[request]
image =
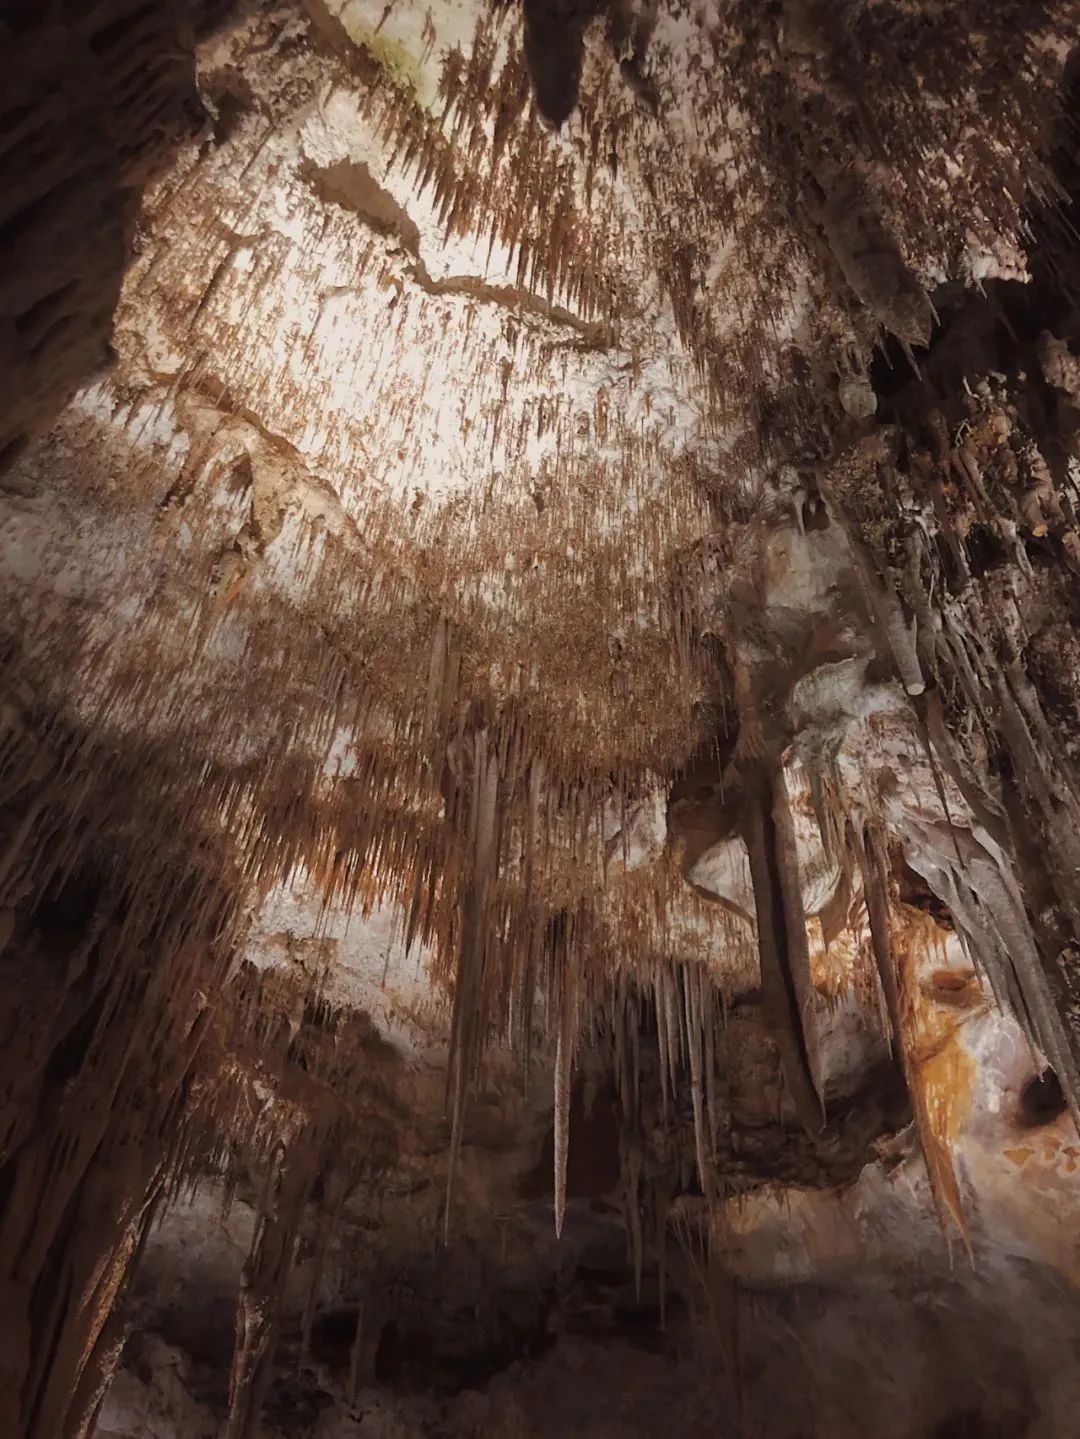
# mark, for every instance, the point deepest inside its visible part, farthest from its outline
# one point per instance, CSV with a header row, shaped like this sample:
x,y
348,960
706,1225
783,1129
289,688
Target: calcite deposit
x,y
539,719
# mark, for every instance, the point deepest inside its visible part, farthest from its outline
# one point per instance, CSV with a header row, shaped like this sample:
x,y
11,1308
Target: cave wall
x,y
96,95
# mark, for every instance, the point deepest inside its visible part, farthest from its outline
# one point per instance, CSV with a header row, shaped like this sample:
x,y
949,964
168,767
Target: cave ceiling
x,y
539,716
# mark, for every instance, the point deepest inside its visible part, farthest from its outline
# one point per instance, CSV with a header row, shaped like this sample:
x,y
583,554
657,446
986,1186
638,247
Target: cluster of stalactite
x,y
964,510
498,745
499,755
328,1125
666,1042
838,189
134,1067
112,953
824,174
967,645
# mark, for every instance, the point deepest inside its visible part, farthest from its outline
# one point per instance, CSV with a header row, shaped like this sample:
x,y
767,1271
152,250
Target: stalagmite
x,y
779,994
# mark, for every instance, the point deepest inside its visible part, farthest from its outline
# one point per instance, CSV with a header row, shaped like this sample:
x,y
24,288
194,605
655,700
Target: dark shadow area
x,y
1041,1100
94,96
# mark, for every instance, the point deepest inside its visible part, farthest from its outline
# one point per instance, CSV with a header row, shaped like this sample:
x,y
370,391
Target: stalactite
x,y
868,851
694,1043
942,745
632,1171
102,1359
567,1022
939,1082
660,1209
662,1045
355,1352
402,621
262,1285
712,1098
468,993
900,633
997,891
794,917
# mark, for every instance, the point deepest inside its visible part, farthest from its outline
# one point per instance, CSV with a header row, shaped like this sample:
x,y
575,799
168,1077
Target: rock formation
x,y
539,719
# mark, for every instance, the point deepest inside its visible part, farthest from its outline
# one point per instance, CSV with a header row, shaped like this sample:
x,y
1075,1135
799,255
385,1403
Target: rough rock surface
x,y
539,719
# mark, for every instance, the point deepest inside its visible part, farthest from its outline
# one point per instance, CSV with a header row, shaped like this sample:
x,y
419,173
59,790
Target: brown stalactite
x,y
695,1043
101,1362
786,864
870,260
469,994
872,866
